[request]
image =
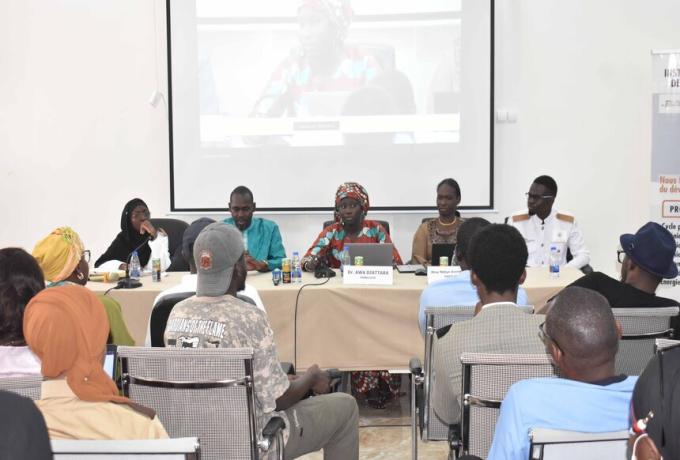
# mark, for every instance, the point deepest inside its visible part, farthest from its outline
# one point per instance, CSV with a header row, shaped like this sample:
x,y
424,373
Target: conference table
x,y
323,321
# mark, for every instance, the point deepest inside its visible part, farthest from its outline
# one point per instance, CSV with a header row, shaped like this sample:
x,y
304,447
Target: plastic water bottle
x,y
135,269
296,269
554,261
245,242
345,262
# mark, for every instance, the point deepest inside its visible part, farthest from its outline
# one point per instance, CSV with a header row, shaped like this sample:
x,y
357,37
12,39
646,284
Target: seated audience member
x,y
328,421
136,231
647,258
582,337
351,226
188,283
261,237
23,434
656,402
497,258
20,279
542,226
66,326
458,290
64,260
443,229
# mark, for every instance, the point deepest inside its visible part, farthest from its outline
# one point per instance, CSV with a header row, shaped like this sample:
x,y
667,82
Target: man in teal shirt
x,y
261,237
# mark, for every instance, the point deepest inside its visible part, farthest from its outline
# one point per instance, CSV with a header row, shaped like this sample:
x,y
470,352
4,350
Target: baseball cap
x,y
216,250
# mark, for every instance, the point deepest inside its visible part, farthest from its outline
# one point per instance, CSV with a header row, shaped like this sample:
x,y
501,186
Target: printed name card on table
x,y
366,274
441,273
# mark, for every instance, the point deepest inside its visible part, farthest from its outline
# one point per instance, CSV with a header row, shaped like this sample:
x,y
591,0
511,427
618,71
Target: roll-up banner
x,y
665,180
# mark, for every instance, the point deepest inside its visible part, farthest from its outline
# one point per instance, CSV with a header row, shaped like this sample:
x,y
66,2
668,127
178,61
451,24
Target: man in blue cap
x,y
646,258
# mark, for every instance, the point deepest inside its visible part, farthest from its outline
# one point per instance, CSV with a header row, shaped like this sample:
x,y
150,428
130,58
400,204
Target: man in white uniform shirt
x,y
542,226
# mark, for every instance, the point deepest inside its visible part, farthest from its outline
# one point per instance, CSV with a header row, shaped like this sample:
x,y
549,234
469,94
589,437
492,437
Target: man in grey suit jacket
x,y
497,258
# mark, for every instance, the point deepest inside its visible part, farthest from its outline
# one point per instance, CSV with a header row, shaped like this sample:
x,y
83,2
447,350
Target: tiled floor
x,y
386,434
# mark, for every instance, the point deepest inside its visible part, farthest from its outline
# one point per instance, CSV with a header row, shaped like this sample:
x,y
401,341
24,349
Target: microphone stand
x,y
127,282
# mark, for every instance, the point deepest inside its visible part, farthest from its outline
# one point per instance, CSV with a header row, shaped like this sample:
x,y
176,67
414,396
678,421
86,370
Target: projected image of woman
x,y
322,63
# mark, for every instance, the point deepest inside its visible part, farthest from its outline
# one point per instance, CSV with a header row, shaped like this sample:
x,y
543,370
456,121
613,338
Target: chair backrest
x,y
151,449
641,326
384,223
161,313
566,445
203,393
487,377
28,386
175,230
436,318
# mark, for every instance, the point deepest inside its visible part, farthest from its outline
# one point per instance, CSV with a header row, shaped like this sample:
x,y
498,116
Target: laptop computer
x,y
441,250
110,359
374,254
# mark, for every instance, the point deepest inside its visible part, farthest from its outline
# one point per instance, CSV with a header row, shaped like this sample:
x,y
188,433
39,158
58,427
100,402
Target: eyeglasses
x,y
620,252
534,196
86,255
545,338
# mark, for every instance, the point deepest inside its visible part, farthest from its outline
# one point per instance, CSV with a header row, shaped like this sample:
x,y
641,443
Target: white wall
x,y
78,138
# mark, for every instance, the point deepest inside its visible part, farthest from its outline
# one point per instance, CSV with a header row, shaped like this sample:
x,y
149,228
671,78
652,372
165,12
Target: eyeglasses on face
x,y
620,255
535,196
141,214
545,337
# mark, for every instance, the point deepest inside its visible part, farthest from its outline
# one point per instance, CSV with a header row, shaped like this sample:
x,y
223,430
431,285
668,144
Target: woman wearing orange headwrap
x,y
67,327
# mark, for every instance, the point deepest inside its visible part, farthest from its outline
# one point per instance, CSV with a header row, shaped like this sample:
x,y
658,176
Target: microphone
x,y
127,282
322,269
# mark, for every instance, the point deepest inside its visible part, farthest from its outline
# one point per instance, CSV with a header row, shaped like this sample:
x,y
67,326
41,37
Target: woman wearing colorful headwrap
x,y
135,230
351,206
20,279
64,260
351,226
66,327
322,62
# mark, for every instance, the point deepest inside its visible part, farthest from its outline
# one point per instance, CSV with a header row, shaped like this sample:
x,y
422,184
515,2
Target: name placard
x,y
366,274
441,273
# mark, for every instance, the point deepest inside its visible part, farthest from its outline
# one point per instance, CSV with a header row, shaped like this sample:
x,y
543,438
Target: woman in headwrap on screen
x,y
351,226
136,232
322,63
66,327
64,260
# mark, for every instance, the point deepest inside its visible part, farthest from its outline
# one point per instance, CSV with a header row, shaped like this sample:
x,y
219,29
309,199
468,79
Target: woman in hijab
x,y
64,260
66,327
351,226
20,279
322,62
136,232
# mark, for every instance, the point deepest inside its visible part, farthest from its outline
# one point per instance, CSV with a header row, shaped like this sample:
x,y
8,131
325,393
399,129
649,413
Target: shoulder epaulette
x,y
565,217
520,217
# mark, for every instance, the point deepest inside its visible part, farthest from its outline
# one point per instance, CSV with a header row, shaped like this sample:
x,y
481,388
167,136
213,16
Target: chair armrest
x,y
288,368
415,366
272,428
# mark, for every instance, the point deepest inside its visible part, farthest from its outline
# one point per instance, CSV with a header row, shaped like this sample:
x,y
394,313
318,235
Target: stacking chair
x,y
423,417
641,326
146,449
160,314
28,386
175,230
549,444
203,393
487,377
